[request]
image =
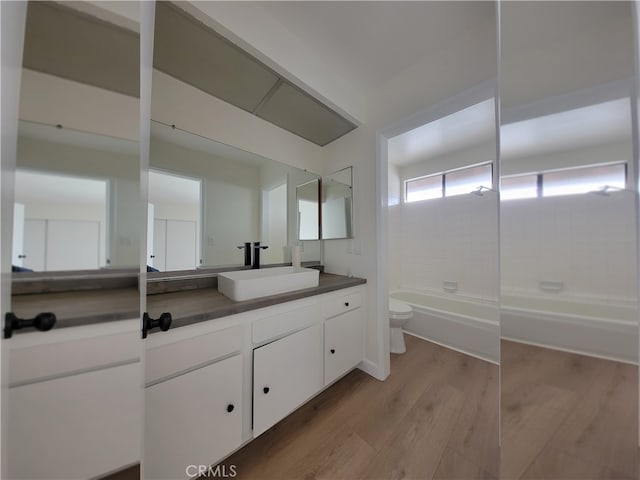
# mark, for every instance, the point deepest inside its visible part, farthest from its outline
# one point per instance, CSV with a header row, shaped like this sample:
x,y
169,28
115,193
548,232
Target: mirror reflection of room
x,y
308,197
72,188
236,196
337,204
70,349
569,308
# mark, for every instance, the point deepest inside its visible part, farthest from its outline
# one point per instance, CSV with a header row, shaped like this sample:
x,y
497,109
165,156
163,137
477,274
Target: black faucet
x,y
247,253
256,253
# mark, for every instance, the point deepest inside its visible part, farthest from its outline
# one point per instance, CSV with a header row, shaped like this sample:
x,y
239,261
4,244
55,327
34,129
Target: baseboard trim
x,y
372,369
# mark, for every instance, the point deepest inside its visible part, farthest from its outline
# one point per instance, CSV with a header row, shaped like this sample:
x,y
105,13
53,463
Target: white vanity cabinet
x,y
75,401
193,419
343,333
286,373
193,399
213,386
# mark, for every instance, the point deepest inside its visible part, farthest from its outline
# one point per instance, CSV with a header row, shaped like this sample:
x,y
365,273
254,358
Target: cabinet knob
x,y
43,322
265,390
230,407
346,304
333,350
148,323
22,256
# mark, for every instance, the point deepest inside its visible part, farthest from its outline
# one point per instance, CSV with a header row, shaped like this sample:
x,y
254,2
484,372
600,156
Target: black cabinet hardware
x,y
148,323
43,322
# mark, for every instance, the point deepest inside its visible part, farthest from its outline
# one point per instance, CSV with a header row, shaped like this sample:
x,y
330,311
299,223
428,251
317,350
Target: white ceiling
x,y
582,127
165,188
554,48
57,189
460,130
368,43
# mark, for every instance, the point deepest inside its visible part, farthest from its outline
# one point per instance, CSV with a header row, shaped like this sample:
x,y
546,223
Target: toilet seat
x,y
399,310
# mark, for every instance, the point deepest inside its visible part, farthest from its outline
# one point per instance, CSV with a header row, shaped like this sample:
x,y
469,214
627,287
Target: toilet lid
x,y
396,306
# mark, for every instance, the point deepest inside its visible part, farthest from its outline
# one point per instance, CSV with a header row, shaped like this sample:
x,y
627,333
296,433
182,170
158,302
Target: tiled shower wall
x,y
587,242
446,239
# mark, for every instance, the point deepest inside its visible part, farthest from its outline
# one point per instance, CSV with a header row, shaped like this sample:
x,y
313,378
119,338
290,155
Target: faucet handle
x,y
257,245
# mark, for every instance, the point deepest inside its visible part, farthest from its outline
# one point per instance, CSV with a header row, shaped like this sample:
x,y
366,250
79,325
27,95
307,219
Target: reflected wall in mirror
x,y
308,199
174,228
71,385
569,307
245,198
337,205
79,120
76,197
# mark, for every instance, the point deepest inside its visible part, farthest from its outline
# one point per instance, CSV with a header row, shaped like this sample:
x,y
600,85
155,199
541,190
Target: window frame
x,y
443,174
540,177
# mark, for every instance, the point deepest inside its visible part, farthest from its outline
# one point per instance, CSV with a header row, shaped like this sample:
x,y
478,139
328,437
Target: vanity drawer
x,y
337,304
285,322
39,356
182,355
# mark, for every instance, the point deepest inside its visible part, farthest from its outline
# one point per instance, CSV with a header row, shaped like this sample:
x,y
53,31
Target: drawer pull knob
x,y
148,323
230,407
43,322
333,350
346,304
265,390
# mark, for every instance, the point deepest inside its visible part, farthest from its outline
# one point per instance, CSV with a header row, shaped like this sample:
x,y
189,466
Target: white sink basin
x,y
248,284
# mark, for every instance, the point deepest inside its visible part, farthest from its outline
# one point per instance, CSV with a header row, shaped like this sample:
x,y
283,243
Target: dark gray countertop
x,y
194,306
187,307
80,307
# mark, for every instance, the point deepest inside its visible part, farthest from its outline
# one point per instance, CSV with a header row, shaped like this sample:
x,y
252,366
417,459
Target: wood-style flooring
x,y
435,417
566,416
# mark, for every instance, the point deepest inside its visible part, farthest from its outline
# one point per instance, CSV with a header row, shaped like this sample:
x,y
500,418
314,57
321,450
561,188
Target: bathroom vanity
x,y
74,391
228,371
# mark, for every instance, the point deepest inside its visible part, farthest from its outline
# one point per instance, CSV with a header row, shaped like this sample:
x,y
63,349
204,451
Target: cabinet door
x,y
343,344
76,427
193,419
286,373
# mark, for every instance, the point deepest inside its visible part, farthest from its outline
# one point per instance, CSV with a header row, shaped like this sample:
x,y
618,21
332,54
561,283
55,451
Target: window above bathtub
x,y
449,183
568,181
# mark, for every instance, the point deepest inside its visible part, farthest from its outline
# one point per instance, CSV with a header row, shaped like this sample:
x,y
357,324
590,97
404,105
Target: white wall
x,y
609,152
176,103
449,239
52,100
585,241
231,198
120,168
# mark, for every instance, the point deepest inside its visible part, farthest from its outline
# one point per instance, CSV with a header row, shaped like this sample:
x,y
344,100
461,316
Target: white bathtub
x,y
469,326
607,330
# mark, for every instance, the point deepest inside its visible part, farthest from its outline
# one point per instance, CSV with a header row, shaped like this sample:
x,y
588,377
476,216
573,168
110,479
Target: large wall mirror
x,y
76,196
337,204
206,199
77,181
569,316
71,379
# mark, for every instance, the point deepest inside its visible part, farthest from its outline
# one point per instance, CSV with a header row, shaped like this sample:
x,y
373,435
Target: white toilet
x,y
399,313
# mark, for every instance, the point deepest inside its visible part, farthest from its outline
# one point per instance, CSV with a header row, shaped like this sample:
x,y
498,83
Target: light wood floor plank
x,y
566,416
422,419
